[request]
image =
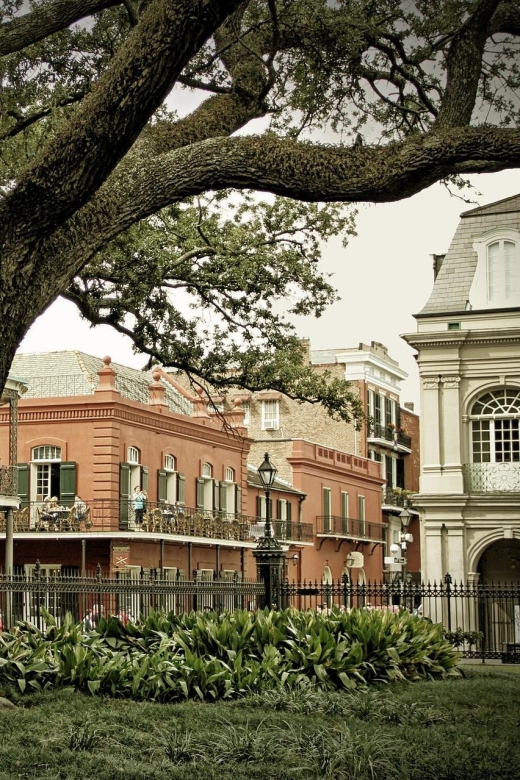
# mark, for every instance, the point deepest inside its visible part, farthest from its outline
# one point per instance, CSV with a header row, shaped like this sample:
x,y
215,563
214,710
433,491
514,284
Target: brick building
x,y
356,482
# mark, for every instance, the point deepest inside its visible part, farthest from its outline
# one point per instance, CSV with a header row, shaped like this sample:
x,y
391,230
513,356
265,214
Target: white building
x,y
468,343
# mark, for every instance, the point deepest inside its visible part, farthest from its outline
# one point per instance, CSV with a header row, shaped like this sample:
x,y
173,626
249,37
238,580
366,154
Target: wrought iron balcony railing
x,y
347,527
398,497
107,516
390,434
8,481
491,477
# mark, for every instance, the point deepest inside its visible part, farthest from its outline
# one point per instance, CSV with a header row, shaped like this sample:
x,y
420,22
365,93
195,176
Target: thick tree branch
x,y
45,20
83,153
464,67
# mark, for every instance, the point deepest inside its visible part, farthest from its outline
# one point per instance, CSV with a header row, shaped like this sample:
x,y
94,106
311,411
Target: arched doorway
x,y
499,596
500,562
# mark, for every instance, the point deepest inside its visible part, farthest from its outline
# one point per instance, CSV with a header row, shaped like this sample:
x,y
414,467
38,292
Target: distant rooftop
x,y
456,270
72,373
329,356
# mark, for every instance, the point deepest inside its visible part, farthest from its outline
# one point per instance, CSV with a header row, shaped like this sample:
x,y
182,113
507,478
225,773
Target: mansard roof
x,y
450,293
72,373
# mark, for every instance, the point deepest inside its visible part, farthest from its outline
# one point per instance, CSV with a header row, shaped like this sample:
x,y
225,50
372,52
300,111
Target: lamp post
x,y
269,554
267,473
405,538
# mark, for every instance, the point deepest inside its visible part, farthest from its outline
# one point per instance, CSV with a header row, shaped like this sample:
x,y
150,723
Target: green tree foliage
x,y
149,216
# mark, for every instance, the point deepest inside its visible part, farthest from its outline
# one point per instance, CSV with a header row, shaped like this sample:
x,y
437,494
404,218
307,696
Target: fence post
x,y
270,559
345,580
447,581
99,576
37,578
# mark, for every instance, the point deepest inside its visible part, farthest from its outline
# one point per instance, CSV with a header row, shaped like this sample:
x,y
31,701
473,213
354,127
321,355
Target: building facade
x,y
468,345
356,482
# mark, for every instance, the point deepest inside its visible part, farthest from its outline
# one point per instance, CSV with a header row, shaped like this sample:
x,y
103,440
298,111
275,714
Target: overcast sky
x,y
384,277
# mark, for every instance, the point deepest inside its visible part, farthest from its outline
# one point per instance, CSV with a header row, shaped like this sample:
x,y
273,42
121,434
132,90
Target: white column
x,y
450,435
430,439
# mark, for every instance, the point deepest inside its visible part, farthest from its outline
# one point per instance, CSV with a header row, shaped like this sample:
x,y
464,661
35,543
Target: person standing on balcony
x,y
80,507
139,499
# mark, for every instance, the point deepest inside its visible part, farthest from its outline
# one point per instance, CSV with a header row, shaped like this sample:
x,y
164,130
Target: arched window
x,y
495,427
501,272
45,472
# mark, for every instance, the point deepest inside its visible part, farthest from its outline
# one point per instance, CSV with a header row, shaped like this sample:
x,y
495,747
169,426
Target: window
x,y
45,472
496,281
501,271
344,512
169,463
46,452
228,492
135,473
270,415
168,489
246,408
361,515
133,455
326,510
207,489
495,427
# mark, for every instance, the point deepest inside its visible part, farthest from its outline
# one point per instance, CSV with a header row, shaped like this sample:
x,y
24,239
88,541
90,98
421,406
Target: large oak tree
x,y
113,200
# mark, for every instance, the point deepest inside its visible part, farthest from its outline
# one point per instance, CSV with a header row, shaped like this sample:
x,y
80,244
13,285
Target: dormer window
x,y
496,281
501,271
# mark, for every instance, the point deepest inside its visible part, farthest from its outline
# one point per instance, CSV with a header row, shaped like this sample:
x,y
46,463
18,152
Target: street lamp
x,y
269,554
405,538
267,473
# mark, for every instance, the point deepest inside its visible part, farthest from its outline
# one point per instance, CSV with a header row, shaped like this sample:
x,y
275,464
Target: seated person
x,y
80,507
50,507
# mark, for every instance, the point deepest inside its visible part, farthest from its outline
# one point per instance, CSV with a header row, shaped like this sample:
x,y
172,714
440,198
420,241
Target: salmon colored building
x,y
89,433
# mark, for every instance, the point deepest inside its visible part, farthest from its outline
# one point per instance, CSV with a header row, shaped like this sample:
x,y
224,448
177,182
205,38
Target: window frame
x,y
270,422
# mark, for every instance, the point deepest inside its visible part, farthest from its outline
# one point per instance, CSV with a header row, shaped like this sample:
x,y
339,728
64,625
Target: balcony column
x,y
13,426
9,565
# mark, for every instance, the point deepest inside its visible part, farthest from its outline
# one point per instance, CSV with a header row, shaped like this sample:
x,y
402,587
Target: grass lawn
x,y
459,729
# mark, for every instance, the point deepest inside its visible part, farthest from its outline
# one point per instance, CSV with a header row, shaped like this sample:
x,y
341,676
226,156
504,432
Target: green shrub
x,y
207,656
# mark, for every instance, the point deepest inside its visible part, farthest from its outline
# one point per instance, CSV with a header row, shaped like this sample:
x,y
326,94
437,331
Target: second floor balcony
x,y
348,528
491,477
391,436
106,516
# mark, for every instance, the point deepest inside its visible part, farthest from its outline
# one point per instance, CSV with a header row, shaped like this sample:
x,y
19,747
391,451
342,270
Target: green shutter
x,y
199,486
223,496
238,499
216,495
181,489
144,478
124,495
67,483
278,509
289,511
162,486
259,507
23,483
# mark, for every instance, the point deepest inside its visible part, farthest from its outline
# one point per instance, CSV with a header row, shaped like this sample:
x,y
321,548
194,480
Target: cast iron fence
x,y
27,597
483,618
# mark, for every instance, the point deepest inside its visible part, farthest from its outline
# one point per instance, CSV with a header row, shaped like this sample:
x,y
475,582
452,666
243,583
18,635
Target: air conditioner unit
x,y
270,425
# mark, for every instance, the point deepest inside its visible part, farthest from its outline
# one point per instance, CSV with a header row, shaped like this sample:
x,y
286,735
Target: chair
x,y
86,519
21,519
69,522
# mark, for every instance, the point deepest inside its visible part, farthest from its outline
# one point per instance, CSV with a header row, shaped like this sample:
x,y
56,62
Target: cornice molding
x,y
188,429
